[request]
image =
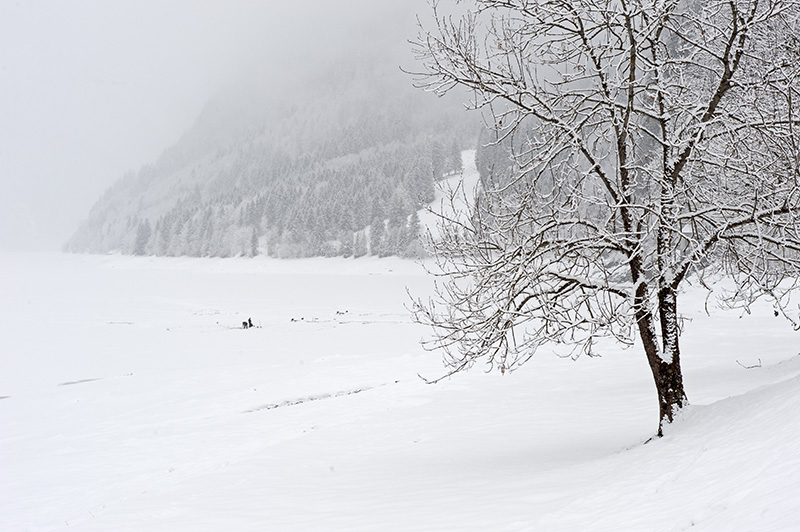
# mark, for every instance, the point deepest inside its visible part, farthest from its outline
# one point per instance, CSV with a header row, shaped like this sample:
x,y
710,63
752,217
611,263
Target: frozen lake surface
x,y
133,400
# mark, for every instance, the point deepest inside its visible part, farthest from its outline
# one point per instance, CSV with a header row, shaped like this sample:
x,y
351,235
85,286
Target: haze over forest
x,y
198,108
337,163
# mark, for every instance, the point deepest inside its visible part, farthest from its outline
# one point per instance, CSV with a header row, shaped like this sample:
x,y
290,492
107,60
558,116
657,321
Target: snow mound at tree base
x,y
730,465
740,457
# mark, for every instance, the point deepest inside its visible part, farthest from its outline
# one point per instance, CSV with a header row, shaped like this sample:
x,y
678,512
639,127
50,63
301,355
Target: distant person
x,y
249,323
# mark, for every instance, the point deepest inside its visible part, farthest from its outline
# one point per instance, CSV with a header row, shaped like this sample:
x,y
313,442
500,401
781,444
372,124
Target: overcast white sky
x,y
90,89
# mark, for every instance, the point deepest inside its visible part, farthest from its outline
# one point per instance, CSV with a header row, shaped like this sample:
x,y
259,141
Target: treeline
x,y
356,206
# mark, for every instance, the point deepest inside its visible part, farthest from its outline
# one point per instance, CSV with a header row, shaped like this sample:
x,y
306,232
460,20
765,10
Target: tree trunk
x,y
664,363
669,385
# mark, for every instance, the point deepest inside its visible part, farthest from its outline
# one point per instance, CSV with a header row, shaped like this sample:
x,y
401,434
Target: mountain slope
x,y
332,164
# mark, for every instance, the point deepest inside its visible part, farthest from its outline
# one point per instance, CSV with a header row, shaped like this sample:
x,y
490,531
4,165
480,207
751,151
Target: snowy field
x,y
133,401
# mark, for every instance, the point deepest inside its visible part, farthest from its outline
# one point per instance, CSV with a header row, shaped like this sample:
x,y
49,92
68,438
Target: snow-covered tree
x,y
143,233
454,163
359,244
437,161
649,141
377,236
254,242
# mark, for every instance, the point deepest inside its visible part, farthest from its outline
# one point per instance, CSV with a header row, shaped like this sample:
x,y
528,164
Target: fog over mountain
x,y
93,91
332,162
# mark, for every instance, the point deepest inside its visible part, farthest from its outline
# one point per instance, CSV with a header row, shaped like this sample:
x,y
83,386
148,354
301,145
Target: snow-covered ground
x,y
454,196
132,401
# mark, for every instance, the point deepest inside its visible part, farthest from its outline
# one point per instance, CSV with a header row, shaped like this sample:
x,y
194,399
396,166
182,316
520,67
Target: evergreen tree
x,y
376,236
346,239
437,160
254,242
359,244
455,164
164,235
397,212
142,238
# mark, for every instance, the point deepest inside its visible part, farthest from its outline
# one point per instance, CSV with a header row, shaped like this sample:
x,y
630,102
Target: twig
x,y
750,367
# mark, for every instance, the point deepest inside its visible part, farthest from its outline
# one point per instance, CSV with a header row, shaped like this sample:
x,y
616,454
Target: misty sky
x,y
90,89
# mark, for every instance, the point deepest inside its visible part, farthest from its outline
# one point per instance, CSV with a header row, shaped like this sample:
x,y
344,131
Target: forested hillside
x,y
336,163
